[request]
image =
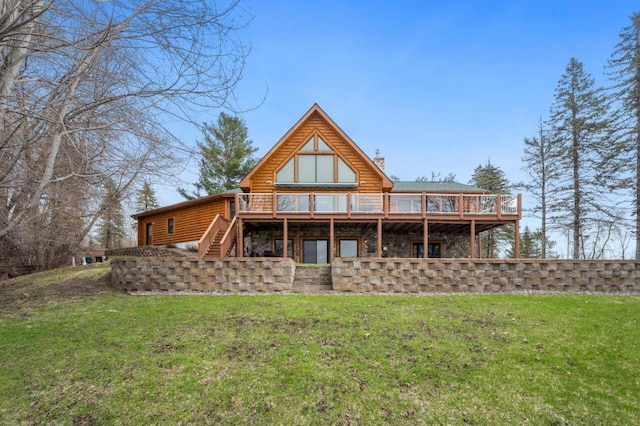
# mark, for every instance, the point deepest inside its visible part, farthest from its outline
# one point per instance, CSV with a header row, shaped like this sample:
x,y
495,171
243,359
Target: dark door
x,y
149,234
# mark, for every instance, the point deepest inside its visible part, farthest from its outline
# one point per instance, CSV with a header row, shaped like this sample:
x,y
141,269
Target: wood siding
x,y
368,179
189,223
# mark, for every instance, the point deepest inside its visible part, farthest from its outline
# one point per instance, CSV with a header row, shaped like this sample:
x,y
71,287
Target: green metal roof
x,y
433,186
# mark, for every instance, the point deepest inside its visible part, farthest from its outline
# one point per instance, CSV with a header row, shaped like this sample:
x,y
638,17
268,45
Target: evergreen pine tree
x,y
226,156
624,71
493,179
146,198
531,245
579,124
111,228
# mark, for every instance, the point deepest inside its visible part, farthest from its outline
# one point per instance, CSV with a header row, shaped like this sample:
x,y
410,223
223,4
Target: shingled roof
x,y
434,186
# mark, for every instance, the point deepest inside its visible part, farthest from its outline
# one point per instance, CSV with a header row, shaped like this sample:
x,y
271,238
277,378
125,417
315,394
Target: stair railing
x,y
218,224
229,237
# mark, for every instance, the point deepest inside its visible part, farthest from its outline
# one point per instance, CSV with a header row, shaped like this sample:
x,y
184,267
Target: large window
x,y
315,163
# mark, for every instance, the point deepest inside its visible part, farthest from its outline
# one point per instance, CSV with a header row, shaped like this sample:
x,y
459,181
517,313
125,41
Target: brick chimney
x,y
379,161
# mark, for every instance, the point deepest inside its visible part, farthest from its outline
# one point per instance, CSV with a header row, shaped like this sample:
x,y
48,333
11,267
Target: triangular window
x,y
309,146
322,146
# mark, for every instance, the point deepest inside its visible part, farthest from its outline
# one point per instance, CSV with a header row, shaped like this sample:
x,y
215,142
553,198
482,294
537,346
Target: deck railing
x,y
395,203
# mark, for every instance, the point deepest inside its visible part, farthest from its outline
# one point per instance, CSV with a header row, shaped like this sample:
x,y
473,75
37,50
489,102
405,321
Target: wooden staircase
x,y
219,238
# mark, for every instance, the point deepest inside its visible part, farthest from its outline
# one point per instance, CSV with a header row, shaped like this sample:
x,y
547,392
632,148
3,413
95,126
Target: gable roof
x,y
245,183
434,186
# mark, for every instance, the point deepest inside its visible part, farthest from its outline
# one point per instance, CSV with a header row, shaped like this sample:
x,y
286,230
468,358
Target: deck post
x,y
473,238
516,245
285,238
425,238
379,248
240,239
331,242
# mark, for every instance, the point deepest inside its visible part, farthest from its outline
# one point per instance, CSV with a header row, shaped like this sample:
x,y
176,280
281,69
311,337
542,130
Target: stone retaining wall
x,y
479,275
379,275
148,251
222,275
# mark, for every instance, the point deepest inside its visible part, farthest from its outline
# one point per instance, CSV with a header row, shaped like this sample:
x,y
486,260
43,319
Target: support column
x,y
240,239
516,245
379,248
331,241
473,238
425,238
285,237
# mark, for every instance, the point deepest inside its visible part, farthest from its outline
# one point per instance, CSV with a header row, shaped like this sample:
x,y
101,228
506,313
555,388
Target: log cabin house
x,y
316,195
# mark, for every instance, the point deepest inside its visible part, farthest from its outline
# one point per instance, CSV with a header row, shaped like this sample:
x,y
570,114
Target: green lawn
x,y
290,359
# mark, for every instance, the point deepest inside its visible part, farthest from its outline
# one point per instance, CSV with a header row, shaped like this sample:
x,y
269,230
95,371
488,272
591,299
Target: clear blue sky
x,y
437,86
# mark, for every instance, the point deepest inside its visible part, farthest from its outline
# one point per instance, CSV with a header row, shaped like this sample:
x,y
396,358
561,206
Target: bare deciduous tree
x,y
85,87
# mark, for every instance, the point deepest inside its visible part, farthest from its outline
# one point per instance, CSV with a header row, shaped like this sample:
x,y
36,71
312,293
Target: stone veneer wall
x,y
395,244
484,275
221,275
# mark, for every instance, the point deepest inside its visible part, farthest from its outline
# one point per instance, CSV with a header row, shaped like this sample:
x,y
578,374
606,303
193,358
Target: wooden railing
x,y
229,237
381,203
218,224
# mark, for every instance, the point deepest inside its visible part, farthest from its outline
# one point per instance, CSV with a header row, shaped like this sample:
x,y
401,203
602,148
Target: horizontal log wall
x,y
187,274
189,223
484,276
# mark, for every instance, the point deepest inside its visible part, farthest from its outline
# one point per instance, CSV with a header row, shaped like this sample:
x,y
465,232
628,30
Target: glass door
x,y
435,250
315,251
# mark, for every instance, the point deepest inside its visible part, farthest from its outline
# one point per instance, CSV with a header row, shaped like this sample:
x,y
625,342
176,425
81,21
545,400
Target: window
x,y
170,225
435,250
348,248
345,174
316,163
285,174
148,239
